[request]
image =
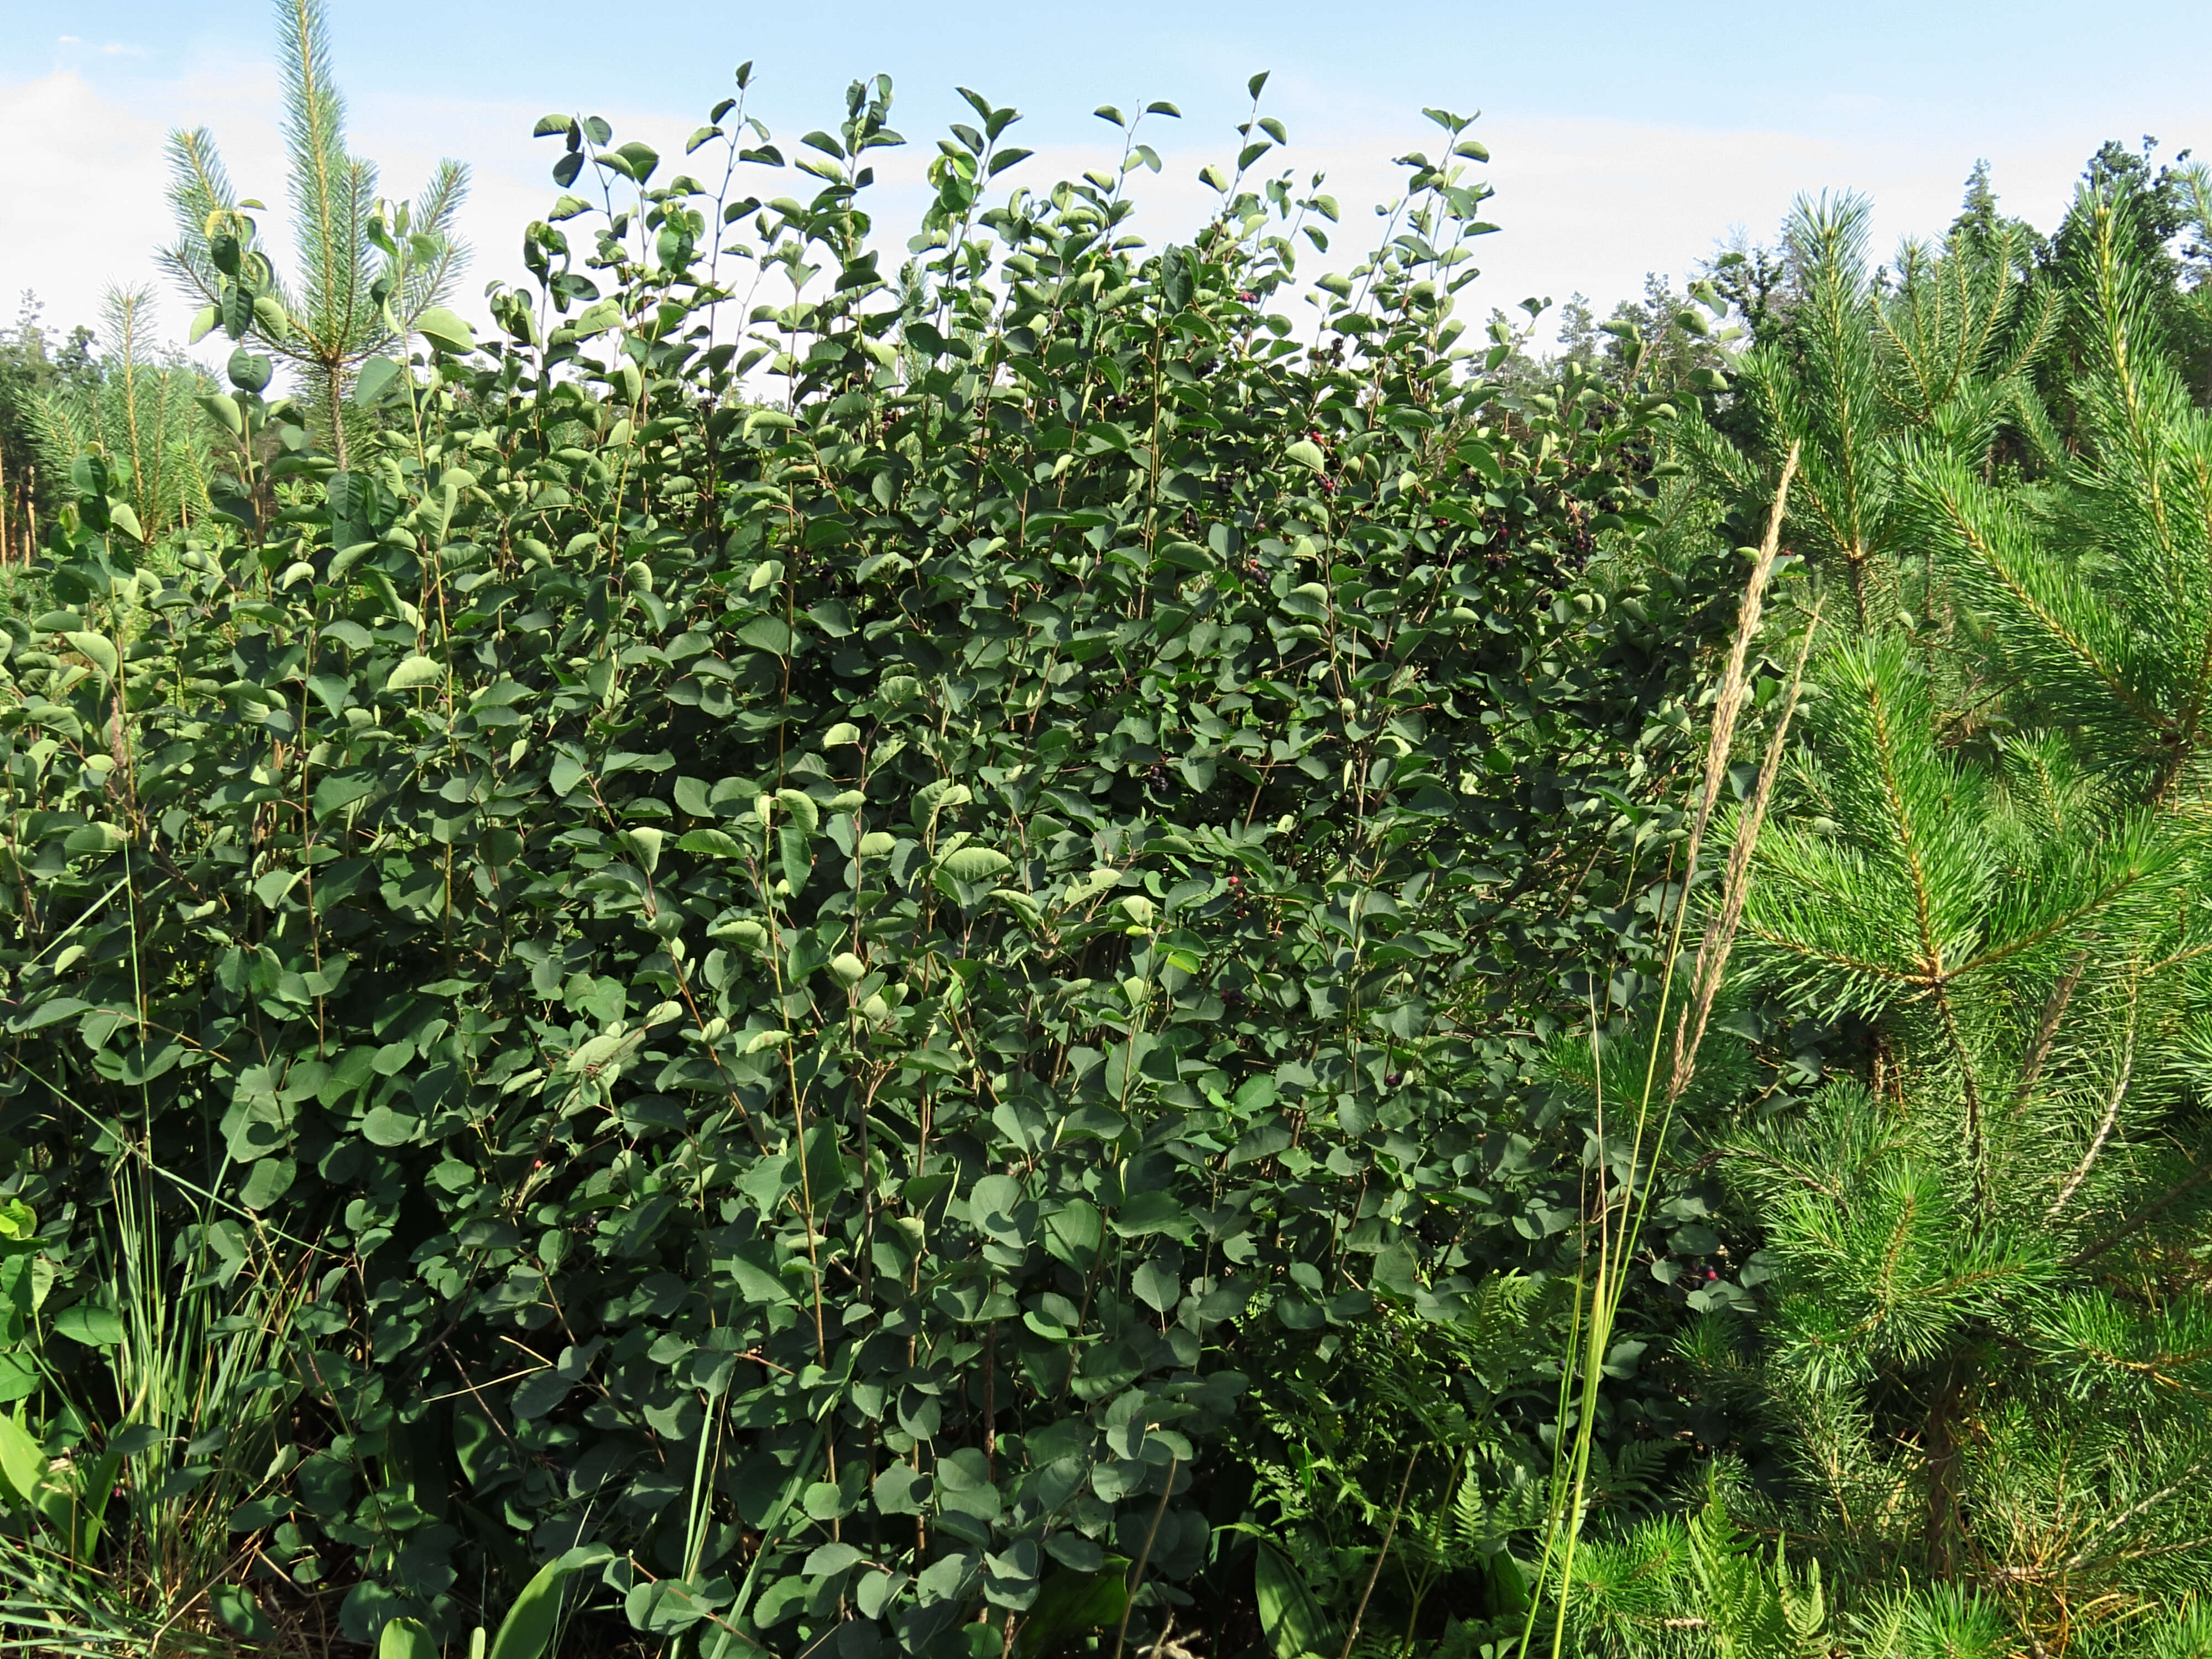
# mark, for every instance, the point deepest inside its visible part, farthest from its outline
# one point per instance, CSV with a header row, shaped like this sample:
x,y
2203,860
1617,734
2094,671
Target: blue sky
x,y
1624,139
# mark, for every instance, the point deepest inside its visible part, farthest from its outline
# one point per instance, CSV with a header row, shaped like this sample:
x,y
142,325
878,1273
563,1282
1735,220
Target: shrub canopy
x,y
808,897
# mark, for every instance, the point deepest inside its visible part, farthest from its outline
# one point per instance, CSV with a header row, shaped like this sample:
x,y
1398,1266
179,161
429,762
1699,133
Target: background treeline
x,y
116,392
1053,945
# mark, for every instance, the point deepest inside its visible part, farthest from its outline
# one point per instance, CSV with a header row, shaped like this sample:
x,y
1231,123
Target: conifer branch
x,y
2081,1172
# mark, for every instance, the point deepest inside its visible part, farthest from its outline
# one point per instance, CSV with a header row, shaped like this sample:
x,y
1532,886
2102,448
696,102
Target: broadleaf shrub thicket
x,y
810,900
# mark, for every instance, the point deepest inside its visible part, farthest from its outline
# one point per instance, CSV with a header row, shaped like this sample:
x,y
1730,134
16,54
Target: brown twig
x,y
1381,1555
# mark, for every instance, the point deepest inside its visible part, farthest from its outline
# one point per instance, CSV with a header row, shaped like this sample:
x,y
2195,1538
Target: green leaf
x,y
1307,453
392,1059
403,1638
272,886
99,651
375,378
645,841
801,806
271,1178
1289,1613
413,672
974,863
793,853
527,1630
332,692
1156,1286
336,791
384,1126
829,1560
88,1322
768,634
250,371
1072,1604
713,843
1484,460
642,159
224,410
1396,1269
446,331
1152,1211
96,838
22,1460
47,1013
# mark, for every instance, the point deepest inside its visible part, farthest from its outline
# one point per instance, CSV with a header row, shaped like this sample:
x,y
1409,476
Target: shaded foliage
x,y
809,976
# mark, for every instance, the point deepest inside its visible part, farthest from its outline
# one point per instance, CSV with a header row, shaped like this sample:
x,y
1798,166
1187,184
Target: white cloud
x,y
1592,205
85,207
84,204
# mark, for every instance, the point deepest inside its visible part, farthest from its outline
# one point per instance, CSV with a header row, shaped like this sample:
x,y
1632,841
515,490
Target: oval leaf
x,y
446,331
712,843
802,809
413,672
376,377
974,863
99,650
95,1326
22,1460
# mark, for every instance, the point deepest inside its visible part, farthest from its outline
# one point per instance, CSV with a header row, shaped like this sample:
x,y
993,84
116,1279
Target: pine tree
x,y
35,363
1866,373
140,415
1988,1358
367,271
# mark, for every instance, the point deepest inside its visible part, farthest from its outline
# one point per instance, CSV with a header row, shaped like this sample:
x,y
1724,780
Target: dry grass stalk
x,y
1735,885
1726,707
